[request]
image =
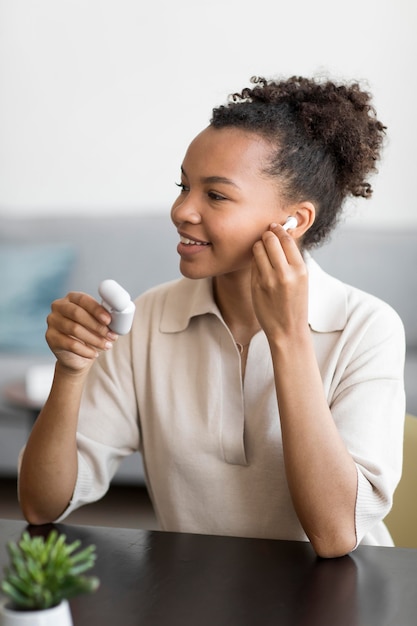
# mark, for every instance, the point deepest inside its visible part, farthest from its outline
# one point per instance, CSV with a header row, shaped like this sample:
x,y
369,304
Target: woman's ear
x,y
305,214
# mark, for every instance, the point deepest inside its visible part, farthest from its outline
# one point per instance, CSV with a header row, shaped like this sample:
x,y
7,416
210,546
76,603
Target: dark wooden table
x,y
156,578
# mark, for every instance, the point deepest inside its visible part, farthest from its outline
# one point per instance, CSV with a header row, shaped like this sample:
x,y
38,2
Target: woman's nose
x,y
184,209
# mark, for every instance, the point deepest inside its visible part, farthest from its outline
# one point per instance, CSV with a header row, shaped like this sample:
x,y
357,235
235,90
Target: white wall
x,y
99,98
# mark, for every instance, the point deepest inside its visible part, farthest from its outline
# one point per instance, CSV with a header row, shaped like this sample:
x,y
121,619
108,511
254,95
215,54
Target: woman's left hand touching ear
x,y
279,285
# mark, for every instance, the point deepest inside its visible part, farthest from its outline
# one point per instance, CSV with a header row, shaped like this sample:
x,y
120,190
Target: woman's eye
x,y
215,196
182,187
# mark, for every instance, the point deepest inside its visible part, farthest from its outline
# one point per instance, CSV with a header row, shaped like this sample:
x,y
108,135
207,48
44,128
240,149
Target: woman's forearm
x,y
48,470
321,473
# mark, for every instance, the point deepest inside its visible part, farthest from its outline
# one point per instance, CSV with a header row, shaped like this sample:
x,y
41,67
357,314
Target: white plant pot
x,y
56,616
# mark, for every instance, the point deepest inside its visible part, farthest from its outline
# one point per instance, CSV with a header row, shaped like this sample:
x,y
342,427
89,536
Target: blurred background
x,y
99,100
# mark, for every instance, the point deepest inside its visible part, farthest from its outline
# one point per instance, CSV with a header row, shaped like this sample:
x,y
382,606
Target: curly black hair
x,y
327,140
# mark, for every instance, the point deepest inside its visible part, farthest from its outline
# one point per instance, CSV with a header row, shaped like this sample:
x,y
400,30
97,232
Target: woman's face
x,y
226,201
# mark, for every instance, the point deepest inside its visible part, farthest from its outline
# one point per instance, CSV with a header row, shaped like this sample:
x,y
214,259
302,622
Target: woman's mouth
x,y
192,242
188,248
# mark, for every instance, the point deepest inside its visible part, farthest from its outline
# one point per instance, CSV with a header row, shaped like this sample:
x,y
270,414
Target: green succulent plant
x,y
43,572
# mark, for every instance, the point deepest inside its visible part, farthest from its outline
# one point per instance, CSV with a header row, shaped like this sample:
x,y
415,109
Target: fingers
x,y
78,324
279,284
278,249
278,265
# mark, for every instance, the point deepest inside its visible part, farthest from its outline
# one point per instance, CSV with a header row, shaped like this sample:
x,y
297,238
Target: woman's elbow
x,y
333,547
36,512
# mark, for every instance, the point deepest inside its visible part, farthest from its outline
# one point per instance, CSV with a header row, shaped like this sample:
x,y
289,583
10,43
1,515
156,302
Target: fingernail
x,y
273,225
112,336
108,345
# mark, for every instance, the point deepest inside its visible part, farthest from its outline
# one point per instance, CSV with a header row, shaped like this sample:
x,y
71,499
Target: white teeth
x,y
191,242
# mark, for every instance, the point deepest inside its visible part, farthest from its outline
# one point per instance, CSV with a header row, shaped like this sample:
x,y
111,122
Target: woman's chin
x,y
190,270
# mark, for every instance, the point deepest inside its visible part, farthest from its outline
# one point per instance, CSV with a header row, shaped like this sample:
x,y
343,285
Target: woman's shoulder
x,y
344,303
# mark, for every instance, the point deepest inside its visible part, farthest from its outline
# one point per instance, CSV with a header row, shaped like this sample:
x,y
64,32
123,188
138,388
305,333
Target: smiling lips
x,y
192,242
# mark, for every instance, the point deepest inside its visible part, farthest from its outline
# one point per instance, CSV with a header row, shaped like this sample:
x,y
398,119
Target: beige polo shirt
x,y
211,444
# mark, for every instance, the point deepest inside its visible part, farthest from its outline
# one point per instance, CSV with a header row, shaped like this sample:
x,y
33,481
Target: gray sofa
x,y
139,252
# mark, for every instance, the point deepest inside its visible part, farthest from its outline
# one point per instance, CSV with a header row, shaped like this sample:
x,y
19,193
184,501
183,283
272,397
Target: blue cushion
x,y
31,277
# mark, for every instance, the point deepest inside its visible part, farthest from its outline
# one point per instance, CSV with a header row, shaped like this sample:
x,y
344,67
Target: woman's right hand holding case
x,y
78,331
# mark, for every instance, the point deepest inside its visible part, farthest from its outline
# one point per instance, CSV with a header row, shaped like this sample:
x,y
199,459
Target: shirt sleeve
x,y
108,428
368,407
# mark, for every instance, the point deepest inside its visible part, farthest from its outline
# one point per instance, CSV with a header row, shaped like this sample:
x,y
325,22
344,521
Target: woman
x,y
265,396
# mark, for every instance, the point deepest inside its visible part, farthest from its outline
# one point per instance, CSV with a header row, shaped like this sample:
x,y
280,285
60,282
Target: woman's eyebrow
x,y
214,179
219,179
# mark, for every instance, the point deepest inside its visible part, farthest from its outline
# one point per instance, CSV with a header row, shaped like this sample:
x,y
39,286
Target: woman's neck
x,y
233,296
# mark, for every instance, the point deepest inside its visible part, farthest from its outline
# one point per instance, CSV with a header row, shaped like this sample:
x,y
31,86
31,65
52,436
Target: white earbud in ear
x,y
118,303
291,222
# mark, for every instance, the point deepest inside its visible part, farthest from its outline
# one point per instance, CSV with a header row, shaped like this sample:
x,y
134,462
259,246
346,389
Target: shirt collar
x,y
189,299
327,301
